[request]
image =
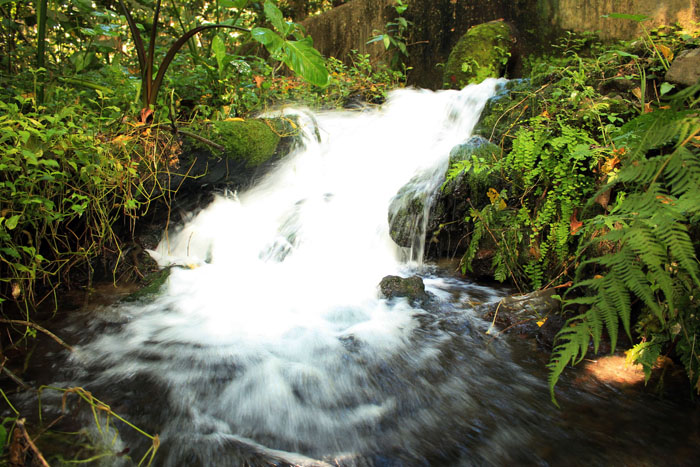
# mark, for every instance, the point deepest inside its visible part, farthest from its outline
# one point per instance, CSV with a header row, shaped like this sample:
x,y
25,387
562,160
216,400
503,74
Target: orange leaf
x,y
665,51
258,80
575,224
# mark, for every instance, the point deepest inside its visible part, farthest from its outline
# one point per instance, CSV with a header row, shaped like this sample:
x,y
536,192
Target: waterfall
x,y
270,344
270,326
326,206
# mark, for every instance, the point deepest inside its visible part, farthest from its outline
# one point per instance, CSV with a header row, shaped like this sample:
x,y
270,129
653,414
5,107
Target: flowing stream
x,y
270,340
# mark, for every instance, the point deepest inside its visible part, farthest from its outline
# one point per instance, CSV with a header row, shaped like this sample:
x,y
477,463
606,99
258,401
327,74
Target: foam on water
x,y
271,327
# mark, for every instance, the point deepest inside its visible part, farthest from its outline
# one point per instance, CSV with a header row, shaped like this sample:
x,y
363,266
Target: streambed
x,y
269,342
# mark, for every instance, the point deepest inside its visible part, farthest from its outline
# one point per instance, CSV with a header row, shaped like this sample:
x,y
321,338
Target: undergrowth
x,y
600,160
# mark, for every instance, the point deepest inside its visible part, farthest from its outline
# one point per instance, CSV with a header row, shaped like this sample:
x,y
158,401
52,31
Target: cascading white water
x,y
270,344
272,328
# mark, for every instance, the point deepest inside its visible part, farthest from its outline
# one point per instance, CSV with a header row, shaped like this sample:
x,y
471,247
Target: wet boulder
x,y
449,219
411,288
230,154
534,314
406,213
482,52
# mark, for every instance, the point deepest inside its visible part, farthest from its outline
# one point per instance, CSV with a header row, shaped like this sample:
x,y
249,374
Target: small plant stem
x,y
38,328
39,458
14,378
201,139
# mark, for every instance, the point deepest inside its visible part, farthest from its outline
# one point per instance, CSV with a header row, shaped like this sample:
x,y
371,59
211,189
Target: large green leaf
x,y
267,37
219,49
274,15
306,61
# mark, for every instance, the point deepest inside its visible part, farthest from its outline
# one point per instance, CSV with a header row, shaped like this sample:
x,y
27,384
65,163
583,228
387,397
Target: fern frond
x,y
641,171
631,275
675,236
650,131
572,346
682,173
614,306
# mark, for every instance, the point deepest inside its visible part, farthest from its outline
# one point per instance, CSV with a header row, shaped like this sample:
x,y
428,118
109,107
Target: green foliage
x,y
654,258
601,161
62,189
395,35
549,172
299,54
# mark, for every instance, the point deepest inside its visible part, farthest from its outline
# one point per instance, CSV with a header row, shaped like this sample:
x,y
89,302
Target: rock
x,y
406,212
495,119
151,288
449,218
249,149
685,68
526,314
410,287
483,52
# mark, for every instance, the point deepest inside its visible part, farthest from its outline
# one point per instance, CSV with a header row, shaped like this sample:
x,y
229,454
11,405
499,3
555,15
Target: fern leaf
x,y
676,236
572,346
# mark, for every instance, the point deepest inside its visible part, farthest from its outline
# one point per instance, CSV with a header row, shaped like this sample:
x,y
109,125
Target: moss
x,y
483,52
512,103
253,141
154,282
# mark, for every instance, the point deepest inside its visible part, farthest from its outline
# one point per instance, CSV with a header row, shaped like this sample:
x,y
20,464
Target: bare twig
x,y
202,139
39,458
13,376
38,328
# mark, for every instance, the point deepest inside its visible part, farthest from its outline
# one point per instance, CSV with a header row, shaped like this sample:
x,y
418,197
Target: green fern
x,y
655,256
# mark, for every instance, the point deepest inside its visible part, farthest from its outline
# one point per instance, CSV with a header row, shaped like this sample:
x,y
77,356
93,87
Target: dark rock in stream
x,y
449,219
533,314
411,288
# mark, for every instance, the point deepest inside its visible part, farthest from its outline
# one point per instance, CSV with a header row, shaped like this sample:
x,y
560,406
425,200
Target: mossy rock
x,y
513,102
253,141
483,52
243,151
449,217
411,288
153,283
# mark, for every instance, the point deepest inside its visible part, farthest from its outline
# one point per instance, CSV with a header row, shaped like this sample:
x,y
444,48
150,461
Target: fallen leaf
x,y
665,51
575,224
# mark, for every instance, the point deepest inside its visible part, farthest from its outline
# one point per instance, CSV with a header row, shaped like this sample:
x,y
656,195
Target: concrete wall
x,y
586,15
438,25
349,26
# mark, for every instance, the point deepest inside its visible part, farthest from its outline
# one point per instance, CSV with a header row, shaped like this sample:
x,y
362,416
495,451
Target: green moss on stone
x,y
153,284
483,52
254,141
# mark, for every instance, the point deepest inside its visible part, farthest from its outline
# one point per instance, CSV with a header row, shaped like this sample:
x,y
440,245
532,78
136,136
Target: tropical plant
x,y
298,54
395,34
150,84
650,236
